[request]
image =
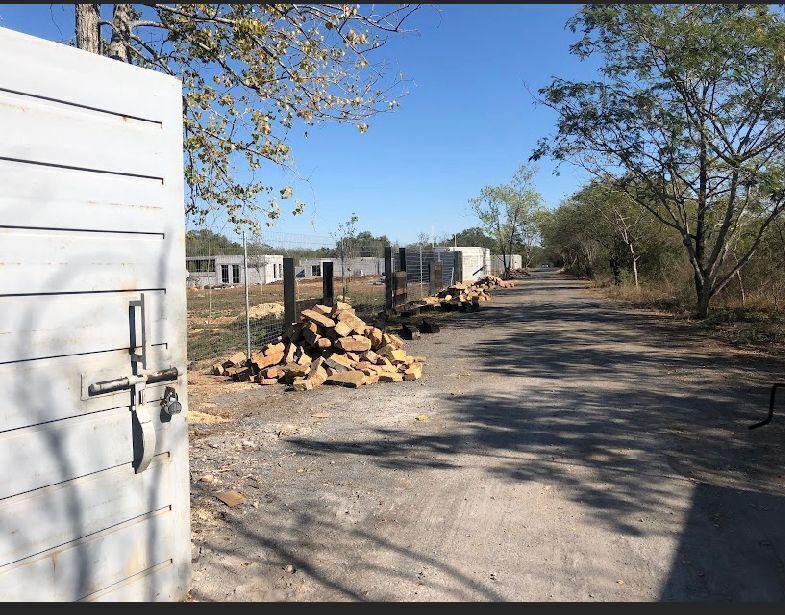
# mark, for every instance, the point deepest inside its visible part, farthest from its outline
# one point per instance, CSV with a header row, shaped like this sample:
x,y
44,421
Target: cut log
x,y
428,326
410,333
351,378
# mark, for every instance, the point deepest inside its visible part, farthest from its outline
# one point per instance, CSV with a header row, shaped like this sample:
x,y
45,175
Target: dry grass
x,y
758,325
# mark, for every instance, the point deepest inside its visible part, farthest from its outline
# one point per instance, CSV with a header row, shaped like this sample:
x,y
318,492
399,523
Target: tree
x,y
507,210
599,230
250,72
473,236
346,246
565,240
617,222
204,242
369,242
690,109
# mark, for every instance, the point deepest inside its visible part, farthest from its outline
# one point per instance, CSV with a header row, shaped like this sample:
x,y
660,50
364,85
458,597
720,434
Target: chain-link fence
x,y
217,266
217,263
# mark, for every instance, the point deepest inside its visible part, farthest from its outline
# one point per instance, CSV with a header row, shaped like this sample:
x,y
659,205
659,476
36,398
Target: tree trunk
x,y
703,293
741,289
634,265
88,33
121,33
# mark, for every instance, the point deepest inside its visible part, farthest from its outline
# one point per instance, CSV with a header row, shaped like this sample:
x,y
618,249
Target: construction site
x,y
282,321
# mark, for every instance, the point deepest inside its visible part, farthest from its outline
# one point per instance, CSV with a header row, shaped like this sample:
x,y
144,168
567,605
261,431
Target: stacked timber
x,y
519,273
462,295
330,345
490,281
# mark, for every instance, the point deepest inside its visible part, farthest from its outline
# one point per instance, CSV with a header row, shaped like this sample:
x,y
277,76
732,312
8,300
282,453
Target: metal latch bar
x,y
123,384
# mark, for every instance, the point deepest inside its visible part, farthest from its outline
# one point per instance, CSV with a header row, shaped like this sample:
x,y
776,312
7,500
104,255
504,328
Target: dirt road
x,y
574,450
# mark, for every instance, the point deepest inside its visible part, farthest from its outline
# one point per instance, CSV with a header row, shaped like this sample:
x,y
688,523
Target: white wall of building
x,y
475,261
228,269
497,263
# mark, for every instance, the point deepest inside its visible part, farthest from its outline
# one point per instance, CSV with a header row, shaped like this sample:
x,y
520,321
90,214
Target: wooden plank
x,y
78,569
37,326
63,450
46,390
45,518
85,139
34,261
51,197
80,77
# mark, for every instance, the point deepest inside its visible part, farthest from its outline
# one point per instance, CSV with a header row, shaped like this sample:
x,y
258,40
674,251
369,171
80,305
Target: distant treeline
x,y
205,242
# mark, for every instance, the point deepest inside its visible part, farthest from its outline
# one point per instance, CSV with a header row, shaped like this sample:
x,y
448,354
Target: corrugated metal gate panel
x,y
90,217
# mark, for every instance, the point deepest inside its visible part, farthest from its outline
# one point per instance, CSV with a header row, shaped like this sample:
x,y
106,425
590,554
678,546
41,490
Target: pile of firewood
x,y
462,295
329,345
489,281
519,273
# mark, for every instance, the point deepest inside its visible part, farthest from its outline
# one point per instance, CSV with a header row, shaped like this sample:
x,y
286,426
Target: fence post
x,y
289,295
458,266
343,270
402,258
247,309
328,292
388,278
422,273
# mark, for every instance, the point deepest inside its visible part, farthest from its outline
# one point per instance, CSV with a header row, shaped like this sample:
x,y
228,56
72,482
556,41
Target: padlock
x,y
169,403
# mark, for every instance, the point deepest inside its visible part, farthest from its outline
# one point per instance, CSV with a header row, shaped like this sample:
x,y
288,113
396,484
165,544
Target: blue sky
x,y
468,120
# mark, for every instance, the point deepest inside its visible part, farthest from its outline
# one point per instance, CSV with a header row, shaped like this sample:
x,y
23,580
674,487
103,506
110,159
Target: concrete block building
x,y
497,263
228,269
358,266
475,261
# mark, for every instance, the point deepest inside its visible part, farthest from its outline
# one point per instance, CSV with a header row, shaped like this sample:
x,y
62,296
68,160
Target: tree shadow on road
x,y
624,412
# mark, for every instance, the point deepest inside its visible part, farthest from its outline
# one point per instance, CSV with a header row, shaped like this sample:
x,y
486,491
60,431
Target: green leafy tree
x,y
599,230
474,236
204,242
250,73
508,212
689,117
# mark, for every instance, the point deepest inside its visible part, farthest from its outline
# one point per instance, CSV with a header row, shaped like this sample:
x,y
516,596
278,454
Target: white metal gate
x,y
93,464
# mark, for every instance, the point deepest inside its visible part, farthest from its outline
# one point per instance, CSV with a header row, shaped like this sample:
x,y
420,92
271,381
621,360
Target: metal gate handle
x,y
141,357
137,382
148,439
142,414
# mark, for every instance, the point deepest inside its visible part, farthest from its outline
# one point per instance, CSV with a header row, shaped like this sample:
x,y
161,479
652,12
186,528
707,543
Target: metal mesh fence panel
x,y
216,280
266,252
217,266
418,275
360,275
216,319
